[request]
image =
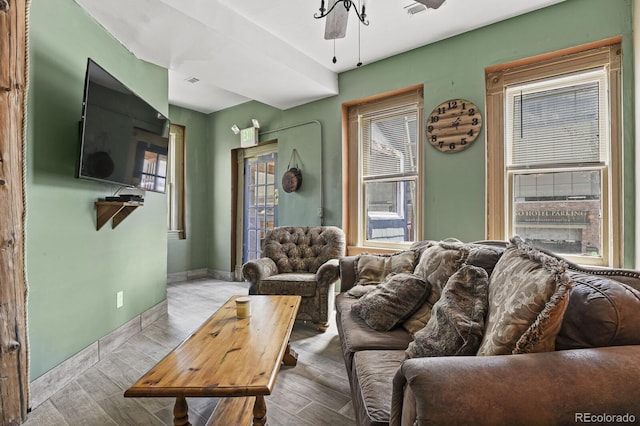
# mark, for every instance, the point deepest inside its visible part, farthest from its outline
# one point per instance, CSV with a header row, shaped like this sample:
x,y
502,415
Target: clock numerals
x,y
453,125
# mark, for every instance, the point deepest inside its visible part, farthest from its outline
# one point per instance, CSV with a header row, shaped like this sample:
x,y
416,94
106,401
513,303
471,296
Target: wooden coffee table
x,y
227,357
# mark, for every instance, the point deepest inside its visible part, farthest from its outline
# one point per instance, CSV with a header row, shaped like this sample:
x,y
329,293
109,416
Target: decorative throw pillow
x,y
357,291
457,320
436,265
528,293
601,312
372,268
393,300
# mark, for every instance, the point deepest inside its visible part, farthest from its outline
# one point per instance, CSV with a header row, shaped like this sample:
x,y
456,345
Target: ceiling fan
x,y
337,17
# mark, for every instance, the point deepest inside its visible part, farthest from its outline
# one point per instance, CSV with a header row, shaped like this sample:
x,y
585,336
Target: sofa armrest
x,y
256,270
347,272
327,274
551,388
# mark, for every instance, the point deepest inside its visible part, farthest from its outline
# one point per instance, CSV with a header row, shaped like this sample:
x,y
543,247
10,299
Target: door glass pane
x,y
260,209
560,211
390,210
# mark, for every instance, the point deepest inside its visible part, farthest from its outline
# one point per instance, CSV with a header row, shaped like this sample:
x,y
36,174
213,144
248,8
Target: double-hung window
x,y
176,183
384,172
560,171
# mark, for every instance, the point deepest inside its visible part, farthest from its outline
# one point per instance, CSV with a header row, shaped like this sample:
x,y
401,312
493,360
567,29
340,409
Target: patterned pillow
x,y
528,294
437,264
372,268
391,301
457,321
357,291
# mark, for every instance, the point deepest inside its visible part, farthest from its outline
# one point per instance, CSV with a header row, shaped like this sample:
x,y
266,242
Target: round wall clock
x,y
453,125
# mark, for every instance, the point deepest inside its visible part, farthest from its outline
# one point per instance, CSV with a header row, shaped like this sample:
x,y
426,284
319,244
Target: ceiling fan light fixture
x,y
432,4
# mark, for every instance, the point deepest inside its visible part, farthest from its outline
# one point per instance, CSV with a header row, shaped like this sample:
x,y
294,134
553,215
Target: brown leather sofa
x,y
568,386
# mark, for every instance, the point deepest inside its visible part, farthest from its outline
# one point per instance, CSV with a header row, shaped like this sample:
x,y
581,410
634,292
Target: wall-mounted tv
x,y
124,140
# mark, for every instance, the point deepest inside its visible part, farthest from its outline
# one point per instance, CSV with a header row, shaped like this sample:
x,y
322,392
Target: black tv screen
x,y
124,140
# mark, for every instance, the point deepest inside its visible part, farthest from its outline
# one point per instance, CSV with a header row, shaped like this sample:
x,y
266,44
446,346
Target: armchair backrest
x,y
303,248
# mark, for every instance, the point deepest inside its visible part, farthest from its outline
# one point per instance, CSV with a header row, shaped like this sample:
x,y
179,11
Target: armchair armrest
x,y
549,388
347,272
256,270
327,274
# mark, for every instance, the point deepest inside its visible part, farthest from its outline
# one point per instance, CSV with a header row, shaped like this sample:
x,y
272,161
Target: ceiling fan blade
x,y
432,4
336,26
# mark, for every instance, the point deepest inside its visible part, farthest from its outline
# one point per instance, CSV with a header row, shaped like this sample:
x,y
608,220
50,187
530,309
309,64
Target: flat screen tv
x,y
124,140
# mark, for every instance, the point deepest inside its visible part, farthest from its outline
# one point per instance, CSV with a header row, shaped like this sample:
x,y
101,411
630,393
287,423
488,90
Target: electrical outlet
x,y
119,299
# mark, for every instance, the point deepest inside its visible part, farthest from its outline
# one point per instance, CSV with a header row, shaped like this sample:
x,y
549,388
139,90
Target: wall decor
x,y
292,178
453,125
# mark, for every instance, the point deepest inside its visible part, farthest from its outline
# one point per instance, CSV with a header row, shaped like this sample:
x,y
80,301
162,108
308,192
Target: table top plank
x,y
226,356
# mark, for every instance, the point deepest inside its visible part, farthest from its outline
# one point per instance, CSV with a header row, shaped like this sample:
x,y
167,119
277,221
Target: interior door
x,y
260,212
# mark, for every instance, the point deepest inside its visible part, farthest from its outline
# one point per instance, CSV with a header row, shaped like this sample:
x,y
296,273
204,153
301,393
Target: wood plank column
x,y
13,342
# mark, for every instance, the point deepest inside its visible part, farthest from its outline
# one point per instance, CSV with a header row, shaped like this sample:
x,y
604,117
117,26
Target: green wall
x,y
74,271
454,185
192,253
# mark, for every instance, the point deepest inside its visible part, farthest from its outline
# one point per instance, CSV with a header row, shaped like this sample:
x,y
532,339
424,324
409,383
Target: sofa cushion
x,y
392,301
358,336
528,293
484,256
374,372
301,284
457,321
373,268
357,291
600,312
437,264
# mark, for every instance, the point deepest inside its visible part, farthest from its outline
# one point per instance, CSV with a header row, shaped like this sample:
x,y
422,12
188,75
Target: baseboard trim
x,y
178,277
45,386
221,275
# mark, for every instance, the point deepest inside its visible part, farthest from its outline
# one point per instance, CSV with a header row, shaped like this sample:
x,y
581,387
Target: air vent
x,y
192,80
415,8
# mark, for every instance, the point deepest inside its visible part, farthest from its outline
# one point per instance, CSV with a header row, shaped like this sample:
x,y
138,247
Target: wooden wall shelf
x,y
116,210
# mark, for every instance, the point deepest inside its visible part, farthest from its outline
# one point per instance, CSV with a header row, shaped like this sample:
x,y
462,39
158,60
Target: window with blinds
x,y
176,182
561,120
557,160
389,173
383,196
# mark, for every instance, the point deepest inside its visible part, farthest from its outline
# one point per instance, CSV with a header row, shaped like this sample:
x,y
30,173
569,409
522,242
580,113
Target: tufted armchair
x,y
302,261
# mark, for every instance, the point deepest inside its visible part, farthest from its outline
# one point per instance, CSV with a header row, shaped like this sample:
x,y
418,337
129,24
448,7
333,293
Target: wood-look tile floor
x,y
313,393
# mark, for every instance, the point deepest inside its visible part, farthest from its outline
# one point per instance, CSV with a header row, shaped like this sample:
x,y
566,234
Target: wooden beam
x,y
13,341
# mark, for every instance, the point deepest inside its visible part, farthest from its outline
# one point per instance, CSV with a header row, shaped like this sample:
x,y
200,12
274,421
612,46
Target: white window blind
x,y
558,121
389,144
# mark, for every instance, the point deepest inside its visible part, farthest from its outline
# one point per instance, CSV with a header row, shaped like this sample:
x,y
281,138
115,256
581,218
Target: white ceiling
x,y
274,51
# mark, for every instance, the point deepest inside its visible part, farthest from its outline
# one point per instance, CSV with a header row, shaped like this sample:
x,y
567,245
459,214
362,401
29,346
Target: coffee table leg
x,y
259,411
290,356
181,412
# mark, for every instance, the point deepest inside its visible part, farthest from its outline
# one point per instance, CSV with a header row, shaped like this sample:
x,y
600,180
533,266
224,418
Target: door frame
x,y
237,205
14,382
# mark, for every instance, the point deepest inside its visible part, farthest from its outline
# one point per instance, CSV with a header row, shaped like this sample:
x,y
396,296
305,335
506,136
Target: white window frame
x,y
176,185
